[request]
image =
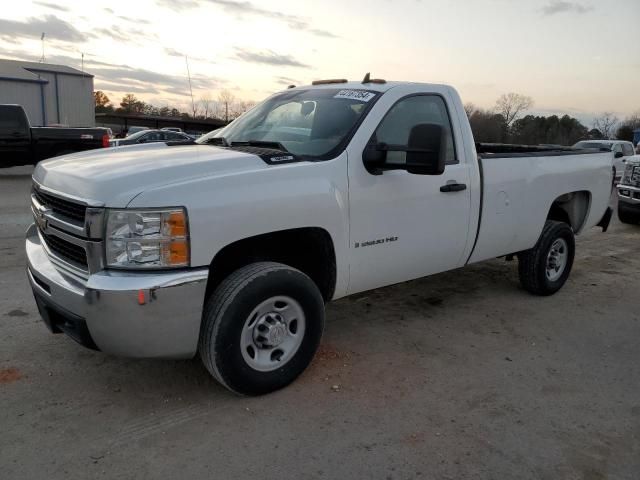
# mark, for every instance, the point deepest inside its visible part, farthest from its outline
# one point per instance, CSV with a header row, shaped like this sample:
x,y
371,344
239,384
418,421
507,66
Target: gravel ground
x,y
461,375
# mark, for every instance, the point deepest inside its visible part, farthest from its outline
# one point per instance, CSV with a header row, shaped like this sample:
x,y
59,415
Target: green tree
x,y
488,126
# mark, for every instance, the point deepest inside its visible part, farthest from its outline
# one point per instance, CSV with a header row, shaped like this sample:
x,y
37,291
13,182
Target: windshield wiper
x,y
260,143
218,141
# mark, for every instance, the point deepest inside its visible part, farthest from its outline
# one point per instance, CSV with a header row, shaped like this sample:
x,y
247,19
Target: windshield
x,y
598,145
310,123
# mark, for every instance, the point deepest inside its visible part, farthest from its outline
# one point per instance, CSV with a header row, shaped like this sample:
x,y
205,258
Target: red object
x,y
105,140
141,299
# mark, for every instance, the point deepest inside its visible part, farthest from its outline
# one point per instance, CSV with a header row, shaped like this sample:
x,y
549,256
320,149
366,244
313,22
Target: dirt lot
x,y
461,375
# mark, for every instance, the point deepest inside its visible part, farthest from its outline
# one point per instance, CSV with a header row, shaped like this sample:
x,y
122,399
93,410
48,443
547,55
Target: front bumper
x,y
629,195
131,314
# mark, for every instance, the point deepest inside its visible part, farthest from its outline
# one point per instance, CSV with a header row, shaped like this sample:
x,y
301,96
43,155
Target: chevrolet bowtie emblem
x,y
41,219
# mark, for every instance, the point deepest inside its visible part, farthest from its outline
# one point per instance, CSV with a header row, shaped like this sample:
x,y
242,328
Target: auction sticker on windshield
x,y
361,95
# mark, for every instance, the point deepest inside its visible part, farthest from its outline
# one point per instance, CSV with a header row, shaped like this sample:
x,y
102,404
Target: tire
x,y
533,264
626,215
261,296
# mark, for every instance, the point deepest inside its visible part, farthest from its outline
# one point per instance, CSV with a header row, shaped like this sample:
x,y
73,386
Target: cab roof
x,y
371,86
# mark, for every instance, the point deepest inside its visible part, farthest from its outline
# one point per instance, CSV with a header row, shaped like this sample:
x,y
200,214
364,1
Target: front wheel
x,y
544,269
261,328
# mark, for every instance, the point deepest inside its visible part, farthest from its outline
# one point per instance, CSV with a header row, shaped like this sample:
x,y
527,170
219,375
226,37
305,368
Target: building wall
x,y
50,97
69,103
77,106
26,94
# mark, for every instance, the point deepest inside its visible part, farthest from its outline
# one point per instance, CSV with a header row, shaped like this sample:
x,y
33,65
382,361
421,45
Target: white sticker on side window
x,y
361,95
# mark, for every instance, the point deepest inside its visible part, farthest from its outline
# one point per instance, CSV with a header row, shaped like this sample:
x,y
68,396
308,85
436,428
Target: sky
x,y
576,57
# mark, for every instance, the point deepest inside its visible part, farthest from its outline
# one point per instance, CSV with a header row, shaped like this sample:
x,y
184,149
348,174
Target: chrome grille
x,y
70,228
66,208
66,250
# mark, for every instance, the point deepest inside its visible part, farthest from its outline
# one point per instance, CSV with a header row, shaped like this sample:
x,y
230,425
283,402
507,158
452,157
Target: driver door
x,y
402,225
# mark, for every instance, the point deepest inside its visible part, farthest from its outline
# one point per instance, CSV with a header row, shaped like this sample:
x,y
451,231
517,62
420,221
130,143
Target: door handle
x,y
453,187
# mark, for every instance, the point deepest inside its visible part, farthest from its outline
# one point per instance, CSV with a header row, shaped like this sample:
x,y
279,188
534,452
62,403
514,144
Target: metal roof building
x,y
50,94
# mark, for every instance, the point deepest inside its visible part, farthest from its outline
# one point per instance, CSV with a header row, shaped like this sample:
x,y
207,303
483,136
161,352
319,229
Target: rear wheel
x,y
261,328
544,269
627,215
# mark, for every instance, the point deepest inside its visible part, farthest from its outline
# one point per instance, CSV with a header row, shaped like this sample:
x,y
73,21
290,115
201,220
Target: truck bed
x,y
519,185
509,150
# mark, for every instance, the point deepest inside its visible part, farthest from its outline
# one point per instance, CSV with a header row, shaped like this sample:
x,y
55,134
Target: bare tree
x,y
469,109
206,105
242,107
606,124
225,103
512,105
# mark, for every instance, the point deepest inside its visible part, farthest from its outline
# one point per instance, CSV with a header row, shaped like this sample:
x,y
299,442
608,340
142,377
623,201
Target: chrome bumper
x,y
142,315
629,194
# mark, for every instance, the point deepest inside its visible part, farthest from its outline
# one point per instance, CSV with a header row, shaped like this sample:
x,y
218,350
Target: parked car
x,y
150,136
629,192
230,246
621,149
135,129
22,144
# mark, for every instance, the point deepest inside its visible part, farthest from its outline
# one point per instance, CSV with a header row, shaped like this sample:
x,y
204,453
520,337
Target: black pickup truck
x,y
21,144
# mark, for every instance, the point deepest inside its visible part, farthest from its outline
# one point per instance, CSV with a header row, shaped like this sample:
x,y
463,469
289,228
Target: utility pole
x,y
193,106
42,40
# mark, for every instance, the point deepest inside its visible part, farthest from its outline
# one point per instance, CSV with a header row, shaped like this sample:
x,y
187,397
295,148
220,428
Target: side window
x,y
409,112
627,149
617,148
154,136
11,121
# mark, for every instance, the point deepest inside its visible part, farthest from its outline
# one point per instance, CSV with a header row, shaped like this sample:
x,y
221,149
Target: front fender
x,y
228,208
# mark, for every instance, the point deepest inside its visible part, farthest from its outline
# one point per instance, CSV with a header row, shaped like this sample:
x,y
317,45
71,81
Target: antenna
x,y
367,78
193,106
82,67
42,40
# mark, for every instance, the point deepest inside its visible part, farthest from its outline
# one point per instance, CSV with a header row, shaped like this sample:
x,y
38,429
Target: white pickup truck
x,y
230,247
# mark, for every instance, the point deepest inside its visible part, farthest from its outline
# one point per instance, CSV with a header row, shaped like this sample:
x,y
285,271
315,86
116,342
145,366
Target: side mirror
x,y
425,154
618,155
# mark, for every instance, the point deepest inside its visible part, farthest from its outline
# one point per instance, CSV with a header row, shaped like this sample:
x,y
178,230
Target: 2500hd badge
x,y
376,242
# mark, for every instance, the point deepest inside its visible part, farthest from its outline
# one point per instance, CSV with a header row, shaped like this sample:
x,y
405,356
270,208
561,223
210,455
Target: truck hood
x,y
114,176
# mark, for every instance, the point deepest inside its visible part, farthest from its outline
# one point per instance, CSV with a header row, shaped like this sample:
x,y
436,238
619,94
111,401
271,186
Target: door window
x,y
409,112
153,137
627,149
175,136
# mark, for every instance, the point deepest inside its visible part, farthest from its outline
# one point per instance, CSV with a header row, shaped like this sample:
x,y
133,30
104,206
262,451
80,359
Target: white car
x,y
621,149
230,247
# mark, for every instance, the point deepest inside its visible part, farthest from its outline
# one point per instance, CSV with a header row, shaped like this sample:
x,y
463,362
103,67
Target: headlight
x,y
147,238
626,176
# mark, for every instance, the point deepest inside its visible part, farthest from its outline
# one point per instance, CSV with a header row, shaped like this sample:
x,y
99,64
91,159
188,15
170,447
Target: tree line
x,y
507,122
225,107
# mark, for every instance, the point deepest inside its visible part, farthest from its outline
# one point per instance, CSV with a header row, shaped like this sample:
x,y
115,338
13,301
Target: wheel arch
x,y
571,208
308,249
